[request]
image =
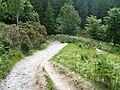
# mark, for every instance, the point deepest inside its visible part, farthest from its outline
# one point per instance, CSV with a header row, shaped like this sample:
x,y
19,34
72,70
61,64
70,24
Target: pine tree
x,y
94,27
113,22
103,7
82,7
40,7
68,20
49,19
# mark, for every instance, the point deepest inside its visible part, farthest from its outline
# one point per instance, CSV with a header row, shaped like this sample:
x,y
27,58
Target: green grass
x,y
82,61
50,85
41,47
106,46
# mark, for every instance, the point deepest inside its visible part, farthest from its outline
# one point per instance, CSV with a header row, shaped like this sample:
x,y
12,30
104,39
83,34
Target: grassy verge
x,y
94,66
50,85
41,47
9,59
109,47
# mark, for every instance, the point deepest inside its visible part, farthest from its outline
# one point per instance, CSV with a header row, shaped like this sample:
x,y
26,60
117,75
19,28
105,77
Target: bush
x,y
40,28
107,72
23,38
14,38
15,42
4,66
35,31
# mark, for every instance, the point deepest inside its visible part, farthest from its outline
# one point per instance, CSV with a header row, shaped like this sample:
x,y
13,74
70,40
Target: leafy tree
x,y
28,14
94,28
9,9
113,22
49,19
68,20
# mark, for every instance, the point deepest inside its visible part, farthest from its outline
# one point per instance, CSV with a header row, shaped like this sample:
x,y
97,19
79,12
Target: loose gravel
x,y
22,76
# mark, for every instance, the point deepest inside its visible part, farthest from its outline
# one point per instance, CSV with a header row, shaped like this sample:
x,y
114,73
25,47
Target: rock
x,y
98,50
61,60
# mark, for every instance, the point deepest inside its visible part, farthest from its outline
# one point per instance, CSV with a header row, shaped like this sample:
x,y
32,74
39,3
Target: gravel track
x,y
22,76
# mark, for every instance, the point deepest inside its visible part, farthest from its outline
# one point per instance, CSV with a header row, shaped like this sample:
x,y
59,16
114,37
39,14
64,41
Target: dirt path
x,y
22,77
60,81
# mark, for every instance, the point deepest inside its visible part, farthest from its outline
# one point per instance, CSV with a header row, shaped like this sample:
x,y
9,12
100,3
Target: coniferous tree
x,y
113,22
40,8
103,7
68,20
49,19
94,27
82,7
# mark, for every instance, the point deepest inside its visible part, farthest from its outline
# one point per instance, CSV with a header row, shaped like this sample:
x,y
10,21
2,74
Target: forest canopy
x,y
49,14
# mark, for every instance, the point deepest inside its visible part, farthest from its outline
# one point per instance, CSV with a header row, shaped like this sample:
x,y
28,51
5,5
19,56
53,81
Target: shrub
x,y
107,72
94,28
2,50
14,38
4,66
35,31
40,28
15,42
88,43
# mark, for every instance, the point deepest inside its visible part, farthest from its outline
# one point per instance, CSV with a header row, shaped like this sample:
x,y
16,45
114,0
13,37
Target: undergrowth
x,y
106,46
95,66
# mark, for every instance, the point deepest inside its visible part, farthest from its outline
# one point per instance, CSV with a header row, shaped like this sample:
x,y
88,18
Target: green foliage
x,y
14,37
24,38
16,42
81,41
10,8
86,62
36,33
94,28
85,8
68,20
107,72
49,19
82,7
113,22
40,7
50,85
4,66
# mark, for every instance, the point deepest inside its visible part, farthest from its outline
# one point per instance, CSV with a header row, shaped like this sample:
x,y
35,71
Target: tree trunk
x,y
17,17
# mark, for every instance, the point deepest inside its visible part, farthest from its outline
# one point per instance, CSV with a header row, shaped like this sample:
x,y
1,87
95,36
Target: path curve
x,y
22,76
